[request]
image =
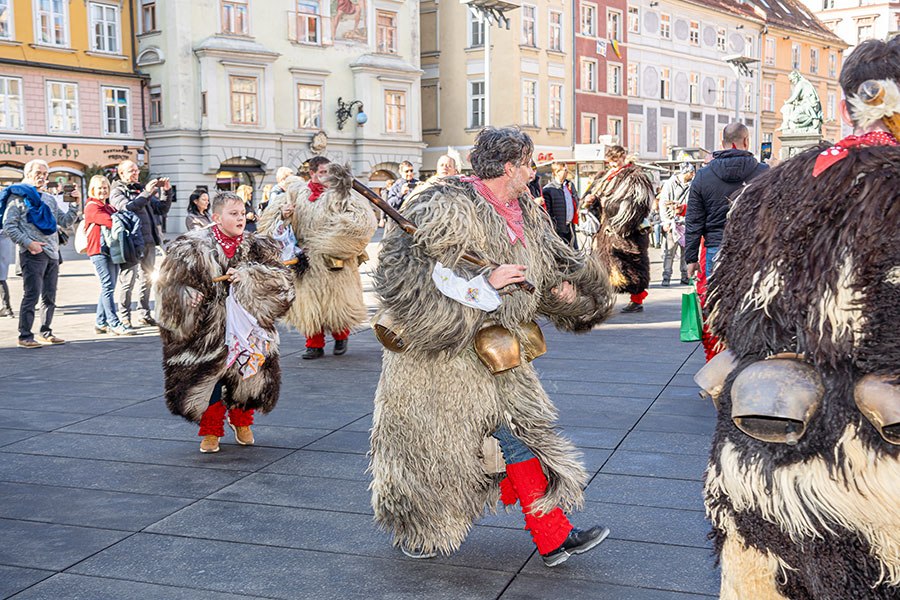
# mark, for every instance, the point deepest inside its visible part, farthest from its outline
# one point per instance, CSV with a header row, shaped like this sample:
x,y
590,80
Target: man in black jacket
x,y
712,190
128,194
560,199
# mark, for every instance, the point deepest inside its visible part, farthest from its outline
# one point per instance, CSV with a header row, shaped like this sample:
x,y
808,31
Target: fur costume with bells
x,y
338,224
436,402
621,201
810,265
193,338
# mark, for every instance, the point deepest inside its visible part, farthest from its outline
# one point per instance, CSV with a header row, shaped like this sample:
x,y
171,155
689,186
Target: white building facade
x,y
240,88
856,21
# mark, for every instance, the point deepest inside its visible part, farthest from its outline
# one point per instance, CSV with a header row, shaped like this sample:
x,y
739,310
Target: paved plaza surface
x,y
105,495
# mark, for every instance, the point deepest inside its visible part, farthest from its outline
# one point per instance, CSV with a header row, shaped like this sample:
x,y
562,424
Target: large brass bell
x,y
533,340
773,400
711,378
497,348
387,333
879,401
333,263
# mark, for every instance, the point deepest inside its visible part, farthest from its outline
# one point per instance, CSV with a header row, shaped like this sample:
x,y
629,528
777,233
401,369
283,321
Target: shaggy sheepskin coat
x,y
436,402
339,223
193,338
621,204
811,265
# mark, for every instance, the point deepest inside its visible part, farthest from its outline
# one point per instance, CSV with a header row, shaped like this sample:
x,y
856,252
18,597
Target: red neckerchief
x,y
838,152
616,171
229,244
316,189
510,211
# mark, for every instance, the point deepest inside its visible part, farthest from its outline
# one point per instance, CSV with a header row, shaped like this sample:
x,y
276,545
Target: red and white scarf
x,y
510,211
229,244
316,189
838,152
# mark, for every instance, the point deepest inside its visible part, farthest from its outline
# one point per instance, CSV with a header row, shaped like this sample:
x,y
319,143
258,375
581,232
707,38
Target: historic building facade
x,y
856,21
69,93
239,88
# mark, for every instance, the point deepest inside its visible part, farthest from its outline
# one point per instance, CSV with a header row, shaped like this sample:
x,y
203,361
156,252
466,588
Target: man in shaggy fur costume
x,y
436,403
621,199
803,483
216,357
333,225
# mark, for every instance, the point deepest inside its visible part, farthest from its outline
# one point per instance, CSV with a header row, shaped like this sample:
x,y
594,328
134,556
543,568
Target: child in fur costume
x,y
333,225
621,200
810,267
217,356
436,402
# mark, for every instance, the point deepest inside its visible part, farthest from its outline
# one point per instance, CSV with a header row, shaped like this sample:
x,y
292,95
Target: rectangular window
x,y
386,32
309,104
768,97
476,30
694,33
614,127
588,129
748,96
556,95
395,111
832,64
770,51
634,19
613,25
664,81
148,16
63,98
588,75
244,100
614,79
696,137
529,25
795,56
203,104
826,4
634,136
6,20
863,33
555,31
750,46
721,42
11,116
589,20
51,22
308,22
104,28
665,26
814,60
529,102
694,88
235,17
832,106
155,105
633,86
666,139
476,104
721,92
115,111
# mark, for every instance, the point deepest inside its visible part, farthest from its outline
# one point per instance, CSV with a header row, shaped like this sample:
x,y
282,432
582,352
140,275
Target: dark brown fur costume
x,y
194,352
621,204
811,265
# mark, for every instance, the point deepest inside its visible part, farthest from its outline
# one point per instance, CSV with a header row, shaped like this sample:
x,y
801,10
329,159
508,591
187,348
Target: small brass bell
x,y
711,378
878,399
387,334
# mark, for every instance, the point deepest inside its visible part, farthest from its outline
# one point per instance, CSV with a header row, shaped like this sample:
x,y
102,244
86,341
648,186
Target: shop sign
x,y
544,157
38,151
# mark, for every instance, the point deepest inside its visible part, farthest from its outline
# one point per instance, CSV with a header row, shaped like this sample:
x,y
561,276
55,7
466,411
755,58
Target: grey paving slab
x,y
677,423
649,524
80,587
591,437
693,407
364,423
626,563
11,436
594,458
50,546
343,495
531,587
91,508
601,372
87,404
183,482
666,442
37,420
591,388
148,451
675,466
322,464
646,491
82,388
14,579
287,573
356,442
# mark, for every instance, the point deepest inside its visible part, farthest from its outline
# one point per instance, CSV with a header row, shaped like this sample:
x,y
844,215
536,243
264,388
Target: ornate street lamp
x,y
344,112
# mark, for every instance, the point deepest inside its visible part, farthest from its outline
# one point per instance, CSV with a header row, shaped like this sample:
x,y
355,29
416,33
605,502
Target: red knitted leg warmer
x,y
213,420
240,418
315,341
340,335
710,343
639,298
549,530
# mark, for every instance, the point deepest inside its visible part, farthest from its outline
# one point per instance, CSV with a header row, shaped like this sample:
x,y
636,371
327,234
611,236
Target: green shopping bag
x,y
691,317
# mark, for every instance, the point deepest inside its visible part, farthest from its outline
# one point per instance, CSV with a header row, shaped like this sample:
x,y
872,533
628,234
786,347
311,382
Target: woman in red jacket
x,y
97,214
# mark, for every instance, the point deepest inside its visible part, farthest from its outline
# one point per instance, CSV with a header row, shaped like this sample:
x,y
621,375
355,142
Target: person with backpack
x,y
30,219
129,195
98,214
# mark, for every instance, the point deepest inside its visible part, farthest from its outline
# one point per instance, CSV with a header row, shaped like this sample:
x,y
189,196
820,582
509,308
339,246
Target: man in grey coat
x,y
672,206
128,194
30,220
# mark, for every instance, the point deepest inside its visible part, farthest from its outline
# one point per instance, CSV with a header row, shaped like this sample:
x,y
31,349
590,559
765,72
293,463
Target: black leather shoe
x,y
685,281
313,353
126,322
665,283
633,307
578,542
340,347
148,321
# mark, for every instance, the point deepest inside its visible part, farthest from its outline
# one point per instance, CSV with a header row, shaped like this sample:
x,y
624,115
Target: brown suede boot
x,y
209,443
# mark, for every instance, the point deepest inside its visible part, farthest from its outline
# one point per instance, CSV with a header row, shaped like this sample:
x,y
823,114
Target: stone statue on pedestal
x,y
802,112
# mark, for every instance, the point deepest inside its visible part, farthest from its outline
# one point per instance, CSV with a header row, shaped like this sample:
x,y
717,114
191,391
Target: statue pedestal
x,y
795,142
